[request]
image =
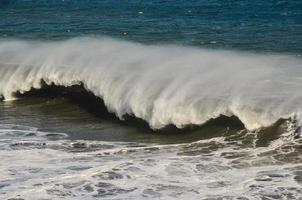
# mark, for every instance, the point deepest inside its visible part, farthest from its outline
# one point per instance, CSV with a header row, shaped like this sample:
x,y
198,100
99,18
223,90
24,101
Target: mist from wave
x,y
160,84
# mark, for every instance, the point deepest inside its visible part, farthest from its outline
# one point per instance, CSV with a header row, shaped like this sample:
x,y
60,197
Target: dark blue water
x,y
266,26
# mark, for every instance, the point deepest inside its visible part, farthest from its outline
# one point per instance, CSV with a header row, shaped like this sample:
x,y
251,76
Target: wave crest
x,y
160,84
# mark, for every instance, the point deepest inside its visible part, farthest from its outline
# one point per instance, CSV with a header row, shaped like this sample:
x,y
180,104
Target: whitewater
x,y
161,84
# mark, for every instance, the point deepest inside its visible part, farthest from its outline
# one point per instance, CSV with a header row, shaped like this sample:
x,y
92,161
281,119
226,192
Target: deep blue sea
x,y
137,99
270,26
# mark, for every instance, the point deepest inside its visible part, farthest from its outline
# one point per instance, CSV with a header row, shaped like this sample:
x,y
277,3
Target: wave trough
x,y
160,84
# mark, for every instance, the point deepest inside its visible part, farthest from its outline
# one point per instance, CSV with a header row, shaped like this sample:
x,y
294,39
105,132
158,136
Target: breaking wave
x,y
160,84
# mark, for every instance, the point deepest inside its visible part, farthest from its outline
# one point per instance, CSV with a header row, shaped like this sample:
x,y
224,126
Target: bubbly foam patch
x,y
216,168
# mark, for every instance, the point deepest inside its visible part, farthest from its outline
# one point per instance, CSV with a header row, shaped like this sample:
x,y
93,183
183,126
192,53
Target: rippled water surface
x,y
39,160
204,99
272,25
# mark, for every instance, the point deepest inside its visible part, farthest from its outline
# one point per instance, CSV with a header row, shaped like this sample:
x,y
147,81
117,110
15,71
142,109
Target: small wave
x,y
162,85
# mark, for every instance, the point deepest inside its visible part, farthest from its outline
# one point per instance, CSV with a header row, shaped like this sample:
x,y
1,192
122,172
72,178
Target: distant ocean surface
x,y
150,99
272,26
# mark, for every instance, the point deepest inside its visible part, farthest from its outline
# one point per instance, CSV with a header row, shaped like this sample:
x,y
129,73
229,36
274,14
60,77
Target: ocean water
x,y
150,99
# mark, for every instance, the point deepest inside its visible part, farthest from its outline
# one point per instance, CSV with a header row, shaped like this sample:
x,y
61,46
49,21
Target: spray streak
x,y
160,84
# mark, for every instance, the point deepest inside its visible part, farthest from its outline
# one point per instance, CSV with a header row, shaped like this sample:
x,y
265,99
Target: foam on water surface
x,y
36,167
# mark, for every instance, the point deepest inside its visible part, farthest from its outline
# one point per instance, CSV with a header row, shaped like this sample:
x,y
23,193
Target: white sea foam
x,y
160,84
33,167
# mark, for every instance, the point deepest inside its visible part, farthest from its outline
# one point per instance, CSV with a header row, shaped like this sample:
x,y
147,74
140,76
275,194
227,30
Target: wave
x,y
162,85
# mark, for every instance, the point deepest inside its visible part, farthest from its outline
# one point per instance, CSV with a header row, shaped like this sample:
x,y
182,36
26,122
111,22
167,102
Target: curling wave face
x,y
160,84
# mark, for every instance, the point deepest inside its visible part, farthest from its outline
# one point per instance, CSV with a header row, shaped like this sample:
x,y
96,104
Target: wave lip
x,y
160,84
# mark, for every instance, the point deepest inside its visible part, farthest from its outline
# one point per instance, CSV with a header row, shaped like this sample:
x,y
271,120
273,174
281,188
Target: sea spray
x,y
160,84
